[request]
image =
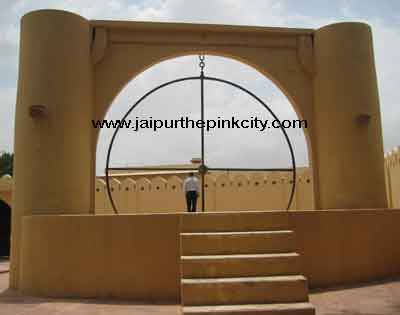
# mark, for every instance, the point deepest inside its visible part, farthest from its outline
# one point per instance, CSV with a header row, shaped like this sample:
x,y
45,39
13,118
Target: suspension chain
x,y
202,63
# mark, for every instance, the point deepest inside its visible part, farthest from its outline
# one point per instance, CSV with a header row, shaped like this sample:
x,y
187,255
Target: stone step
x,y
245,290
217,243
235,221
252,309
249,265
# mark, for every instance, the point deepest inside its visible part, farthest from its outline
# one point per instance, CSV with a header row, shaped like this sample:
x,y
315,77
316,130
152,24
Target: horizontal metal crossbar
x,y
244,169
236,169
153,168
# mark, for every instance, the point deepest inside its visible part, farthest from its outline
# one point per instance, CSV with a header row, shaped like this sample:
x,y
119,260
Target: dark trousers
x,y
191,201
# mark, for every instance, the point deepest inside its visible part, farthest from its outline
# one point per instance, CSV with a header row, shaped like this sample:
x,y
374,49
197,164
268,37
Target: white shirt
x,y
191,184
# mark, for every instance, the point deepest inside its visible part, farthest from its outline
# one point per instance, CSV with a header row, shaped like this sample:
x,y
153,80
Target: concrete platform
x,y
377,299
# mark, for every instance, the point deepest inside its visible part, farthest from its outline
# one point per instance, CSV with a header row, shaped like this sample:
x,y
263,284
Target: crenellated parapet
x,y
224,192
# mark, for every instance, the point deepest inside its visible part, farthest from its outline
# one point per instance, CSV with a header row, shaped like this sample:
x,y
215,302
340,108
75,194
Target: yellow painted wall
x,y
137,256
347,246
104,256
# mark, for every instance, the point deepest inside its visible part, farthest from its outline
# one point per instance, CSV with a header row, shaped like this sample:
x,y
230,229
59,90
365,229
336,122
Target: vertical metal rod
x,y
202,140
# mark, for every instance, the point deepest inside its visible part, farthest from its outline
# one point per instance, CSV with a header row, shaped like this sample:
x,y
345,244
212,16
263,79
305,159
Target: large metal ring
x,y
202,77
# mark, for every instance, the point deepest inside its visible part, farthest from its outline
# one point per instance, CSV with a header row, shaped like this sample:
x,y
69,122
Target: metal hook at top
x,y
202,63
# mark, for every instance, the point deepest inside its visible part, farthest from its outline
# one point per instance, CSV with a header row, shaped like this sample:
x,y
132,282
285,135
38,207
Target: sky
x,y
228,148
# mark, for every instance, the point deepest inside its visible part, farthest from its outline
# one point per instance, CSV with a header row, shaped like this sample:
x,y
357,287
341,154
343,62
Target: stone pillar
x,y
348,132
53,136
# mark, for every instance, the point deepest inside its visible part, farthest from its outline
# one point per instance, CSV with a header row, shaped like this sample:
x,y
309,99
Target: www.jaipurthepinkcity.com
x,y
208,124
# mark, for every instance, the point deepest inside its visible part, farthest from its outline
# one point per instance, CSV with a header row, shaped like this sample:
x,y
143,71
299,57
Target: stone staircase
x,y
241,263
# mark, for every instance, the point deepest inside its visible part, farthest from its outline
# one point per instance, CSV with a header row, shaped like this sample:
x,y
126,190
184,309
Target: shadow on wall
x,y
5,228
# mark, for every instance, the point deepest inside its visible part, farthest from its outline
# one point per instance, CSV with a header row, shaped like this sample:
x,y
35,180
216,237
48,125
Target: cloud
x,y
387,48
7,114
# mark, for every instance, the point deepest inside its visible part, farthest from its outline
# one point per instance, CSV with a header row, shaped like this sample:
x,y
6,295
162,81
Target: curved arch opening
x,y
178,147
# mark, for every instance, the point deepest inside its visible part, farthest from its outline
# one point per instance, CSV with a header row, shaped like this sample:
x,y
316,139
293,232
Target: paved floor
x,y
373,299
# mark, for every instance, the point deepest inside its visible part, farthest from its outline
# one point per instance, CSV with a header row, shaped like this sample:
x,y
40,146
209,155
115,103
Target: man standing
x,y
191,188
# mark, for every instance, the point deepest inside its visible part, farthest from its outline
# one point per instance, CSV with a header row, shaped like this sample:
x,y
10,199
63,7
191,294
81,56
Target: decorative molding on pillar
x,y
99,44
305,53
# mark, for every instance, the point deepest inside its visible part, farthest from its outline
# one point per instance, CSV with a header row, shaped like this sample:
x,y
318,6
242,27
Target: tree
x,y
6,163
